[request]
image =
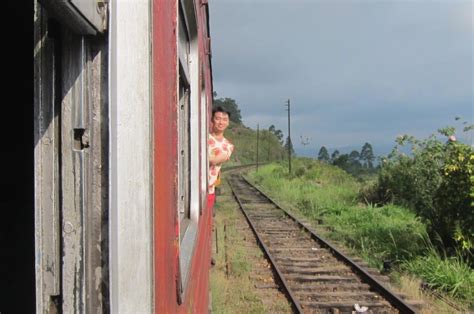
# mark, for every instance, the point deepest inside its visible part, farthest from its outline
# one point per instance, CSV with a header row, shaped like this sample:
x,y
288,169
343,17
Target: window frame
x,y
188,67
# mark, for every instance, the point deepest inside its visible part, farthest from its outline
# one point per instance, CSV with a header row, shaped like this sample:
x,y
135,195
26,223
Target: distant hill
x,y
245,139
245,142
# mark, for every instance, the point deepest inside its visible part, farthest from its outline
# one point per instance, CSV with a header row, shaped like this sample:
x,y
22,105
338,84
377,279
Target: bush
x,y
436,182
381,233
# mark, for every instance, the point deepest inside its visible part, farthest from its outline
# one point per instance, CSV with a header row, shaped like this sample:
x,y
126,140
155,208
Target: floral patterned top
x,y
217,147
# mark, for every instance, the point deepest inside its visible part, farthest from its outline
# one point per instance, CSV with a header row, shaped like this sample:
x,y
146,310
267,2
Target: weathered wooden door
x,y
71,179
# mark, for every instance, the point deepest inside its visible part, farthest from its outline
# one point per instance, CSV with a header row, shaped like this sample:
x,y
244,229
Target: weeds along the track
x,y
240,266
328,196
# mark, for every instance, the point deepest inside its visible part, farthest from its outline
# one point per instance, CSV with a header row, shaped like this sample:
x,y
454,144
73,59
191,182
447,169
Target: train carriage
x,y
123,91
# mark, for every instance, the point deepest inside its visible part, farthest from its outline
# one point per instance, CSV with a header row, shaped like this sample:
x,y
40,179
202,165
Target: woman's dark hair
x,y
220,109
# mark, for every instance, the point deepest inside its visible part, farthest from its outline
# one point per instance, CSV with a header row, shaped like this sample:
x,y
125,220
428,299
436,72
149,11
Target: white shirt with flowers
x,y
217,147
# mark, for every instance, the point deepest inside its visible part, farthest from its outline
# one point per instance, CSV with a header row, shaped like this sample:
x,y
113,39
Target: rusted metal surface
x,y
181,267
319,277
165,154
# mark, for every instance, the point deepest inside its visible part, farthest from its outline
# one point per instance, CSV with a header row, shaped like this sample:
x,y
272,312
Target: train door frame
x,y
203,133
131,152
188,135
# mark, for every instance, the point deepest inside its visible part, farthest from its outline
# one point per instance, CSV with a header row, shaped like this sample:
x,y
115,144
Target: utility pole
x,y
257,144
269,146
289,137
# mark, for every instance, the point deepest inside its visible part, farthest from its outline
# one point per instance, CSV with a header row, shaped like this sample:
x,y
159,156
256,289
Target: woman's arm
x,y
216,160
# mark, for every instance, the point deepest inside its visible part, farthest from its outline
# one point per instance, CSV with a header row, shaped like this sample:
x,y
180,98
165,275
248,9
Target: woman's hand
x,y
217,159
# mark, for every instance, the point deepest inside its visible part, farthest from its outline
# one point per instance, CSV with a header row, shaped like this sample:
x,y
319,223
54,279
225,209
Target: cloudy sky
x,y
354,71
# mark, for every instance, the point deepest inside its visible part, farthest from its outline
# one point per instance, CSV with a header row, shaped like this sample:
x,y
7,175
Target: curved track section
x,y
316,276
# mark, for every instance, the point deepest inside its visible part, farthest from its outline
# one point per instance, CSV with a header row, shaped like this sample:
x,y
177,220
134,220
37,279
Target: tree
x,y
354,157
334,155
277,133
436,181
367,155
230,105
342,161
323,154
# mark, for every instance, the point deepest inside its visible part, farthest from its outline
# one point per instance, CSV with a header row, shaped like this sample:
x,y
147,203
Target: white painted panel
x,y
194,126
131,255
203,134
189,44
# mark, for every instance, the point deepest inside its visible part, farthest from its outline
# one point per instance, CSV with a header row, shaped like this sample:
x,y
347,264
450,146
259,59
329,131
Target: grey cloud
x,y
375,66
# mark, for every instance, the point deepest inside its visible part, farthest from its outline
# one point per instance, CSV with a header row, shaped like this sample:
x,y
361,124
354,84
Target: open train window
x,y
203,131
184,154
190,175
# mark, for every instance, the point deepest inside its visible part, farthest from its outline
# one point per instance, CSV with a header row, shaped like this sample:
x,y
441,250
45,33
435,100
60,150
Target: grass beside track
x,y
232,290
323,193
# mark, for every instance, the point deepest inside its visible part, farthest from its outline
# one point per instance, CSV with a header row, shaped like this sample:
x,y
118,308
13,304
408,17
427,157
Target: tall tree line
x,y
353,162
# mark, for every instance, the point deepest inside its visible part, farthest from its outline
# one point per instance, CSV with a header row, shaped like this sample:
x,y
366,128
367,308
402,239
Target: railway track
x,y
316,277
239,168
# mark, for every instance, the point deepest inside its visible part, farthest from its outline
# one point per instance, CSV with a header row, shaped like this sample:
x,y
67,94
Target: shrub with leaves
x,y
436,181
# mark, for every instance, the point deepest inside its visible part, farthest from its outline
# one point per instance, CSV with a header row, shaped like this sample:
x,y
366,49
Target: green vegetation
x,y
436,183
270,146
230,286
449,274
367,155
323,154
379,233
385,233
394,211
237,256
245,141
322,192
359,164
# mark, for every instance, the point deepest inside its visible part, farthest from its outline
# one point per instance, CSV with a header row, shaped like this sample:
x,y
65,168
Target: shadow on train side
x,y
17,273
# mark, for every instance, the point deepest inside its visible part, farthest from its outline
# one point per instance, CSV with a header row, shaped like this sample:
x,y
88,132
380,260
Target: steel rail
x,y
290,294
232,168
396,301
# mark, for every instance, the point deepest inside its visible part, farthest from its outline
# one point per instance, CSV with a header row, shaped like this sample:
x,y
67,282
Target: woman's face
x,y
220,122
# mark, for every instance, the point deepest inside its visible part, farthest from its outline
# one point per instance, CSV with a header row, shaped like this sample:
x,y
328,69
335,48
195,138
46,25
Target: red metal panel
x,y
197,291
165,98
207,46
165,154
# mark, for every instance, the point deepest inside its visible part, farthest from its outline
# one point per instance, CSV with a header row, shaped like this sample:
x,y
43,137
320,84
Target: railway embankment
x,y
389,238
